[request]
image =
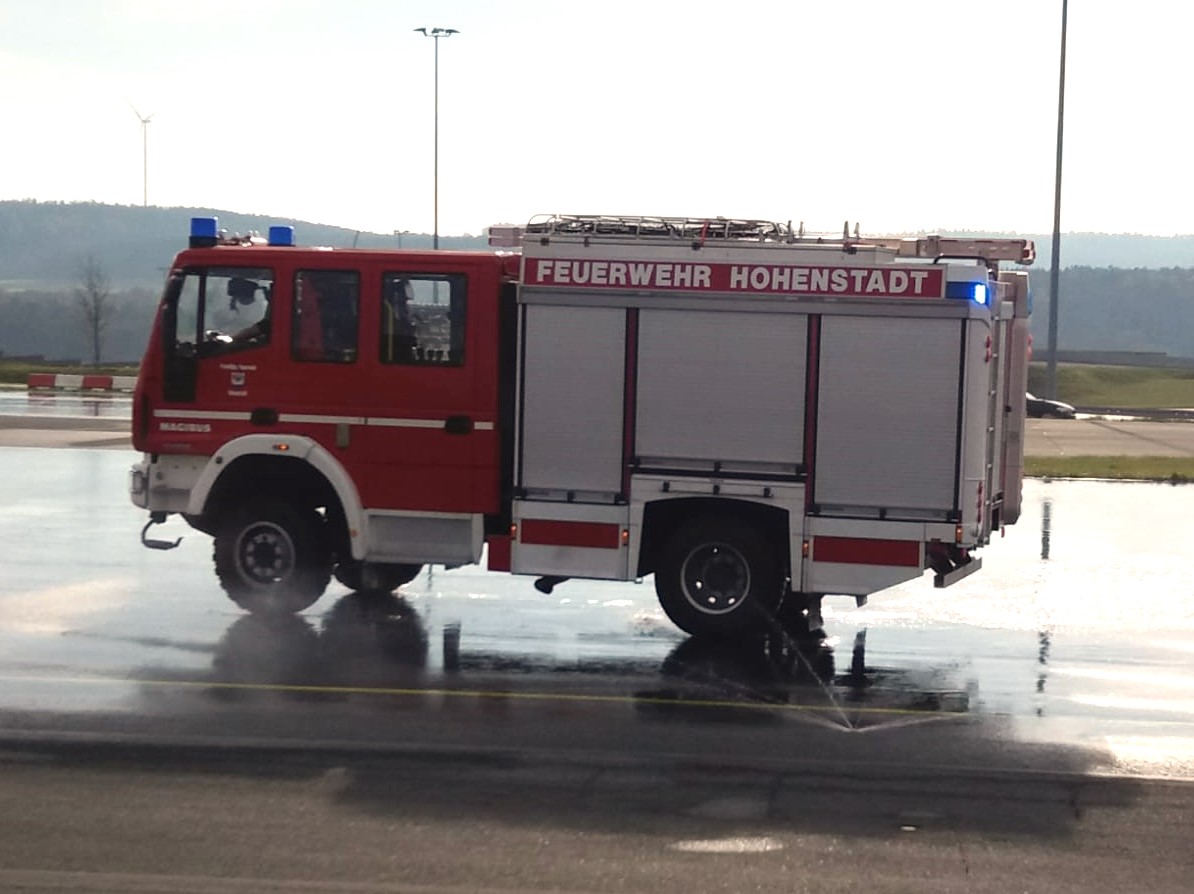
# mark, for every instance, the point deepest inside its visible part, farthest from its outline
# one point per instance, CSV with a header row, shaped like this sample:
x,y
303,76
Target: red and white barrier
x,y
71,382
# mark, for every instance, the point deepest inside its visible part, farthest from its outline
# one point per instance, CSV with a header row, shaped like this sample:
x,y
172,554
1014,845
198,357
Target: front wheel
x,y
719,577
272,557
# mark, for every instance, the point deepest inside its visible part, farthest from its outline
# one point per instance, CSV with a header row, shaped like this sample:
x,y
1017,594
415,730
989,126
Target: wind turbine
x,y
144,119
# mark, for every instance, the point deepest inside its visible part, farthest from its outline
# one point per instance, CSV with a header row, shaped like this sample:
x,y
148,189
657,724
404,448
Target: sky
x,y
902,117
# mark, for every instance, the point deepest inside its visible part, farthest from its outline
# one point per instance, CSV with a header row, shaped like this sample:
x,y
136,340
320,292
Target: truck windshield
x,y
222,309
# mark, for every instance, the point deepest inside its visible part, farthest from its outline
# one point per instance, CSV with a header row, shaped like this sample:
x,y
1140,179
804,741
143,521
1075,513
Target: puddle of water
x,y
20,403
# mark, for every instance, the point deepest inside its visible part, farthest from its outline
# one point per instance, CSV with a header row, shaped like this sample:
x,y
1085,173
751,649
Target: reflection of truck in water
x,y
755,416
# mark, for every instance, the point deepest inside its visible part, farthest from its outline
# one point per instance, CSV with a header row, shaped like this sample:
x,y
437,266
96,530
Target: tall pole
x,y
436,33
1055,264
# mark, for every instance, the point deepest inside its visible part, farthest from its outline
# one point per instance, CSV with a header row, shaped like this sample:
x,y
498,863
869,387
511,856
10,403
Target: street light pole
x,y
1054,267
436,33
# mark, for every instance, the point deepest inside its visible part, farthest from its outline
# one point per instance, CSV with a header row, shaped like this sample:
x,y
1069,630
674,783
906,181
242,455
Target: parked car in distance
x,y
1042,408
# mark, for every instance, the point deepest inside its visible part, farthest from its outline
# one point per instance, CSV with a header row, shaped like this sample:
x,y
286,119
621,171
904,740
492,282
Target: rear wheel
x,y
382,578
272,557
719,577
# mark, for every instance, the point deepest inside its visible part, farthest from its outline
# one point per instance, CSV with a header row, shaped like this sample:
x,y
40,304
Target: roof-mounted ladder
x,y
699,230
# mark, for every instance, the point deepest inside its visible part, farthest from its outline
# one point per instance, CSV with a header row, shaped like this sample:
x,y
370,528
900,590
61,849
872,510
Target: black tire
x,y
272,558
389,577
719,577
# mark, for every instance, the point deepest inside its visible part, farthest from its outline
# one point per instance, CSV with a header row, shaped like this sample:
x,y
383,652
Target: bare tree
x,y
93,296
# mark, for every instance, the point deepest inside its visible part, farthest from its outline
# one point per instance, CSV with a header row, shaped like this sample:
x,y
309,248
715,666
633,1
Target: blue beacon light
x,y
968,291
281,235
205,232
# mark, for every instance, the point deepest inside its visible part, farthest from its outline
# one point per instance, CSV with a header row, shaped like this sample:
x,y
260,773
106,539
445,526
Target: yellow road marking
x,y
488,694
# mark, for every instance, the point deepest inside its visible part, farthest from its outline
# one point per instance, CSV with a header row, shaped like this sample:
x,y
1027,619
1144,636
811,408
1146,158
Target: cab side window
x,y
423,319
324,328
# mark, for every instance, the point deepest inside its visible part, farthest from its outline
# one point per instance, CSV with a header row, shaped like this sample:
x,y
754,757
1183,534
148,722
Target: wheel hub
x,y
266,553
715,578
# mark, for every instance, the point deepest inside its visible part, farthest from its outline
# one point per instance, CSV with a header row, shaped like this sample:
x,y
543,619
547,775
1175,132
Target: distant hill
x,y
1127,250
1117,250
42,243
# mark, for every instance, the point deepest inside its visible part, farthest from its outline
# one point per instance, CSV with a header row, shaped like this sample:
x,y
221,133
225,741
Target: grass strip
x,y
1129,387
1171,469
16,372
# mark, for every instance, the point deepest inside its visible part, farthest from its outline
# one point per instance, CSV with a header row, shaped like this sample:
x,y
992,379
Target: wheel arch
x,y
662,517
286,466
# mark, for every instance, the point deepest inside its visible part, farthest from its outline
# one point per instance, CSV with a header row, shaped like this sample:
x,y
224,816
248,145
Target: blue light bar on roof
x,y
281,235
968,291
205,232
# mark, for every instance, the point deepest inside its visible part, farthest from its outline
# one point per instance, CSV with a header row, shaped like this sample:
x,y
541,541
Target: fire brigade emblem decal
x,y
238,377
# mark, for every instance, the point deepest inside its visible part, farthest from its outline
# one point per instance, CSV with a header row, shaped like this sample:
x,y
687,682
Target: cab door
x,y
214,340
430,437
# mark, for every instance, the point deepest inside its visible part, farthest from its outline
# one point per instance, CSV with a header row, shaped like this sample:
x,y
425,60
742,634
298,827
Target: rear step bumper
x,y
952,577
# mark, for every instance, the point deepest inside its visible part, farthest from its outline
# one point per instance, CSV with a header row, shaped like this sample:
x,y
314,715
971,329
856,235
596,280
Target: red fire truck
x,y
754,415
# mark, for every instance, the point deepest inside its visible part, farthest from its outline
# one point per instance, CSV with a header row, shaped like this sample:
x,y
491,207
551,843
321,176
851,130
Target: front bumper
x,y
164,483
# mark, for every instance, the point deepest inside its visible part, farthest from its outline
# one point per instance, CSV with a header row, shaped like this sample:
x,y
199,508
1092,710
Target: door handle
x,y
458,425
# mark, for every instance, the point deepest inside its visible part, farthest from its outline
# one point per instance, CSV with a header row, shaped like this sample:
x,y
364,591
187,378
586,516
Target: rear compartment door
x,y
888,411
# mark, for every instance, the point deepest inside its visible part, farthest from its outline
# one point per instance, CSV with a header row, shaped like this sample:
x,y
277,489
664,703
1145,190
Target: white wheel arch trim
x,y
290,447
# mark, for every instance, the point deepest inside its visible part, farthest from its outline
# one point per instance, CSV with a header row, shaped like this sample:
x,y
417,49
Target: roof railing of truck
x,y
683,228
700,230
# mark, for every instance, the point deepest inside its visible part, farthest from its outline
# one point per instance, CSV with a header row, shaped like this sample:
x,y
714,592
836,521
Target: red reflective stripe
x,y
594,535
866,551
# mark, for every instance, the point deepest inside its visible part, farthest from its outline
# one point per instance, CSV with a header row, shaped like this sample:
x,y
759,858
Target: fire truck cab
x,y
755,416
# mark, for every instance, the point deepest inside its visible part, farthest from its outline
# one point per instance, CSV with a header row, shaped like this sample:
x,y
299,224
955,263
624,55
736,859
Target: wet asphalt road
x,y
1037,719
